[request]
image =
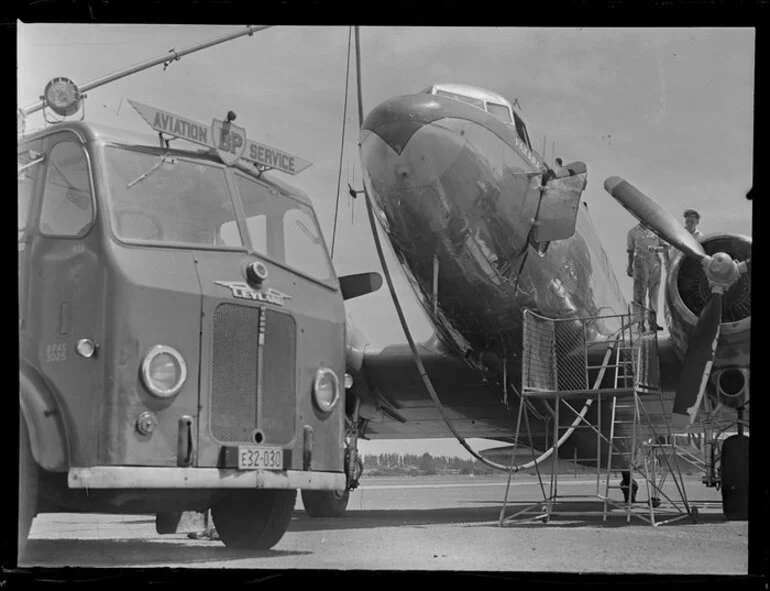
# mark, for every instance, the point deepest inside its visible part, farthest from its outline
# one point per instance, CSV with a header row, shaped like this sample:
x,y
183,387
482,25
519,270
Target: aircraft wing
x,y
398,406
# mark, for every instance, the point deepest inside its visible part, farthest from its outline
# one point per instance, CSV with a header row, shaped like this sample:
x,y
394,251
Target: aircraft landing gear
x,y
734,472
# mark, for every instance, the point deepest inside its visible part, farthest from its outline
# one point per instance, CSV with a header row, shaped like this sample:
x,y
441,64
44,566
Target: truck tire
x,y
734,473
325,503
28,486
253,520
167,522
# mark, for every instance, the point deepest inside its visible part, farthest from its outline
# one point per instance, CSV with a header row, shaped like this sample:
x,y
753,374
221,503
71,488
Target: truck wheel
x,y
325,503
168,522
734,472
28,486
253,520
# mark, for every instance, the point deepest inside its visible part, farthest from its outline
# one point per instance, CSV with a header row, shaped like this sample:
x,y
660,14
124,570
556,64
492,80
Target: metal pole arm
x,y
171,55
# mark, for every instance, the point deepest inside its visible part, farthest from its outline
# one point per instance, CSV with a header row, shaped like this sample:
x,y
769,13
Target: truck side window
x,y
67,205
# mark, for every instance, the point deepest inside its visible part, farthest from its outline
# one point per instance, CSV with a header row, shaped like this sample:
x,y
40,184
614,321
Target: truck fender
x,y
47,437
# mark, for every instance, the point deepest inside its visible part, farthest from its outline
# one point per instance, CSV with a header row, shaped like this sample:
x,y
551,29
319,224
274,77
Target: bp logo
x,y
229,139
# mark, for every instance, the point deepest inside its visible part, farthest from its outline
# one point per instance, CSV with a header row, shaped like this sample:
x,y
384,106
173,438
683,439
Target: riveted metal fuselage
x,y
457,191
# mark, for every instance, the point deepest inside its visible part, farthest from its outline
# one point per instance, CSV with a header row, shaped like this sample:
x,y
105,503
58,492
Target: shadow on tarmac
x,y
135,552
394,518
489,517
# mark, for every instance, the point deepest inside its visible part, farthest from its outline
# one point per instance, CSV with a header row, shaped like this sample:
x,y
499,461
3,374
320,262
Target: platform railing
x,y
596,359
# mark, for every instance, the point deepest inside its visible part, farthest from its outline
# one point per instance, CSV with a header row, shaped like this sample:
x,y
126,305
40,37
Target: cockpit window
x,y
502,112
466,99
521,129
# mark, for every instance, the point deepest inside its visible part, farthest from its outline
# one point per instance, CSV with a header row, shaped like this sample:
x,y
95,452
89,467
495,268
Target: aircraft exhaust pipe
x,y
731,382
732,386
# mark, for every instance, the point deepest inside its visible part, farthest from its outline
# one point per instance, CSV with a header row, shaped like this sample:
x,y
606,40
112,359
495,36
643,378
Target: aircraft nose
x,y
400,146
398,119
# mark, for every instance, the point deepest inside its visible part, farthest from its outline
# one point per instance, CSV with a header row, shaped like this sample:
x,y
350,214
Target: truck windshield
x,y
283,229
163,200
158,199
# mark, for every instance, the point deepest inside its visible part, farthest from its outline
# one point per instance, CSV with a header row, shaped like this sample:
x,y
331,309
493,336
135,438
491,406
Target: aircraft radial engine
x,y
687,293
708,297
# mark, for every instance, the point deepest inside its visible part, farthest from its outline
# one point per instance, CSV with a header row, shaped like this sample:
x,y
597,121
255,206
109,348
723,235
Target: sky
x,y
669,109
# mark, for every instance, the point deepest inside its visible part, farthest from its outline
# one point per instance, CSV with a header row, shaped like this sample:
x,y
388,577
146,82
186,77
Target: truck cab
x,y
181,332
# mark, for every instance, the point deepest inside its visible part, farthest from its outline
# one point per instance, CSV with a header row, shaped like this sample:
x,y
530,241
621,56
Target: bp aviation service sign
x,y
229,141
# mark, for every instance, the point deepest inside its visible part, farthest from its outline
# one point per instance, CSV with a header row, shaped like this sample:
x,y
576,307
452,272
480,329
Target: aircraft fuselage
x,y
457,191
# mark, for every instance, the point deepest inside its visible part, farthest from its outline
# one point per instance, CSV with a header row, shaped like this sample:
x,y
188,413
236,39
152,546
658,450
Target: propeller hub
x,y
721,270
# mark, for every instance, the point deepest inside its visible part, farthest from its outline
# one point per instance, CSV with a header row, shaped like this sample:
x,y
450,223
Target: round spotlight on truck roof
x,y
326,389
62,96
163,371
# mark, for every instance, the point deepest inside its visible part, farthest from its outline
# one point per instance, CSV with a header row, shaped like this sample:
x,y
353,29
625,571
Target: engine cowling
x,y
686,294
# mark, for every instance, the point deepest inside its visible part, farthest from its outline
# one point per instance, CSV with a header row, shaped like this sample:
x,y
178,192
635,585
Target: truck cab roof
x,y
105,134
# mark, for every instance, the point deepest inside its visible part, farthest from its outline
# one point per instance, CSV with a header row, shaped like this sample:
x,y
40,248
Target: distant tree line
x,y
396,464
385,464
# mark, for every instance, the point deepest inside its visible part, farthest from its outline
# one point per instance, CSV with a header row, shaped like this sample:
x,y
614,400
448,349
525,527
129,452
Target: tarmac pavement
x,y
426,523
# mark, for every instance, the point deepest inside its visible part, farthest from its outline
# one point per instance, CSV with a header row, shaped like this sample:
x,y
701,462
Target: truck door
x,y
30,159
65,286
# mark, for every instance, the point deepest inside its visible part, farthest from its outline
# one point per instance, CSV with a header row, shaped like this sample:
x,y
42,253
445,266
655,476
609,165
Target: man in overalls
x,y
644,266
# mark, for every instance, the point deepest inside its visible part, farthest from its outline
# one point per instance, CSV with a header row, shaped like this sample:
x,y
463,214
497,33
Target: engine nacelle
x,y
687,292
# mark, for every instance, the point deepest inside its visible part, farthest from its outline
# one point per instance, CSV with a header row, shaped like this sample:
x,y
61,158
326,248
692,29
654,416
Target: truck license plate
x,y
252,457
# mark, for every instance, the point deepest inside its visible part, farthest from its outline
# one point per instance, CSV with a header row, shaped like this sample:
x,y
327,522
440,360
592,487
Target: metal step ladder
x,y
550,374
631,419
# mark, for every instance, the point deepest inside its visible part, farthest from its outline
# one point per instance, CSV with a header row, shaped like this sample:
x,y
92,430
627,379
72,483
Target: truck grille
x,y
235,379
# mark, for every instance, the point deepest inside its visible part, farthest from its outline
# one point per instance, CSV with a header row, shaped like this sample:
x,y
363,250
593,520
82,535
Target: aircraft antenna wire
x,y
342,141
415,353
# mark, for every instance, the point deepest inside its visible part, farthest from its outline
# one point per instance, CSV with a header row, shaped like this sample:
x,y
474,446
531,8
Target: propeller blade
x,y
653,215
696,367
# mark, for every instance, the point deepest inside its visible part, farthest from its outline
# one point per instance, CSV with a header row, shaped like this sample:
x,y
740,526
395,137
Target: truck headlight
x,y
163,371
326,389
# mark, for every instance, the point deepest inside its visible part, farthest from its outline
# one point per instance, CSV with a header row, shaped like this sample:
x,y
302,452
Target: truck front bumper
x,y
135,477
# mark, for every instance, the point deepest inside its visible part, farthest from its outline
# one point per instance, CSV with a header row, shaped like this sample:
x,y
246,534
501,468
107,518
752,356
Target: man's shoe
x,y
656,327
